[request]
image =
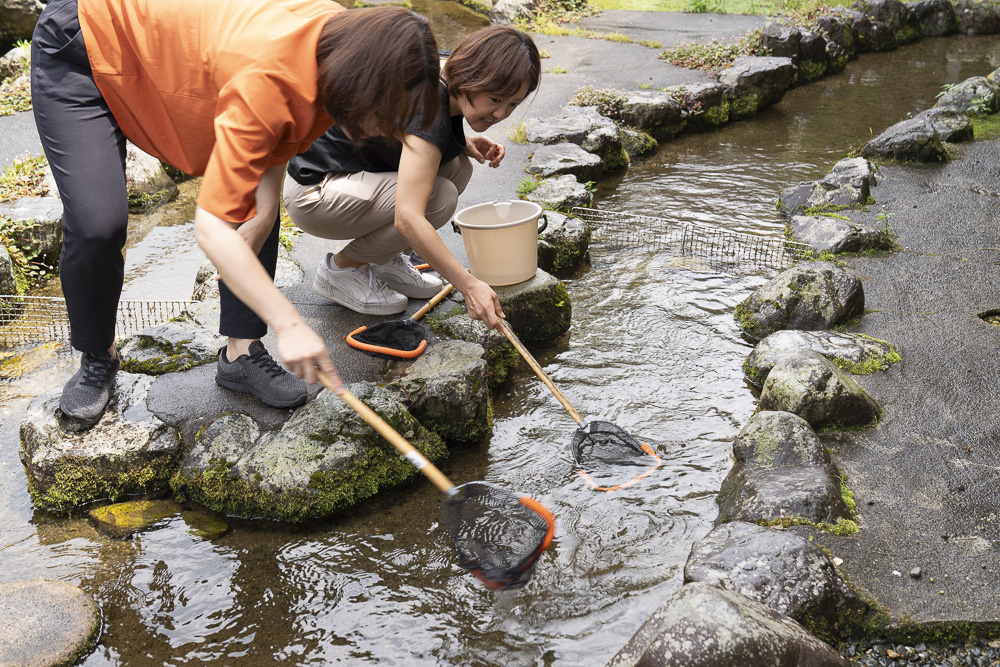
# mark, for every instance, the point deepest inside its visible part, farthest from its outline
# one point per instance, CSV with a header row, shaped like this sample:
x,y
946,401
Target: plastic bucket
x,y
501,240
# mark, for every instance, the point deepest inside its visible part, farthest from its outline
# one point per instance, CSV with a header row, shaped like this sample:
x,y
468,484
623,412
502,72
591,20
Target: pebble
x,y
881,653
916,572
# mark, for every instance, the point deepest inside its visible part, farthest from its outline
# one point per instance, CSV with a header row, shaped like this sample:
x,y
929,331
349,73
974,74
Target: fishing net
x,y
498,534
609,458
397,338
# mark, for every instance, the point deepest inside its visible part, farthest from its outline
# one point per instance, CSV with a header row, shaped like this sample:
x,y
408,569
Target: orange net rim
x,y
530,560
657,462
379,349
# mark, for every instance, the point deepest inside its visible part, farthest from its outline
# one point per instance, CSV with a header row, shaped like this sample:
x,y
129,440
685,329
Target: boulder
x,y
702,625
46,623
560,193
811,386
807,49
782,571
129,451
852,352
506,12
565,159
849,183
976,17
841,45
704,104
447,391
951,123
655,111
38,225
146,182
824,233
811,296
755,82
537,309
563,244
580,125
975,95
903,22
318,463
123,519
169,347
501,357
18,19
937,17
870,35
781,472
910,140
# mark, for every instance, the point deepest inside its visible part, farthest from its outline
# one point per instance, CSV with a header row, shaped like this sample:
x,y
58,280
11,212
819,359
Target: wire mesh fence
x,y
715,248
37,319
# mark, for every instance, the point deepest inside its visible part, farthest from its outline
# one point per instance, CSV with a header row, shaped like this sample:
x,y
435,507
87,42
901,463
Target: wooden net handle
x,y
433,302
395,439
516,342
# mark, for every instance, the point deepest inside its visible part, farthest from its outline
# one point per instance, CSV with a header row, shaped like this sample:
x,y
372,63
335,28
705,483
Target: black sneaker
x,y
86,395
260,375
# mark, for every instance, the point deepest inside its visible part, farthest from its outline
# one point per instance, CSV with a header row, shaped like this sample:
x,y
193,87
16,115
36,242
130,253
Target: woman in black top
x,y
390,197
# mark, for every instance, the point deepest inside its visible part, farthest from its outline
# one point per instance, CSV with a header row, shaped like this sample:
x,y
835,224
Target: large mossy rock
x,y
781,472
811,296
977,94
563,245
537,309
901,20
448,391
976,17
854,353
565,159
501,357
703,625
781,570
848,184
129,451
704,104
560,193
937,17
836,234
320,462
755,82
169,347
657,112
910,140
811,386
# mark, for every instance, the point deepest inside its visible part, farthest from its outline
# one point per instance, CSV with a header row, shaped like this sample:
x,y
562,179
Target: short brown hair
x,y
498,59
378,62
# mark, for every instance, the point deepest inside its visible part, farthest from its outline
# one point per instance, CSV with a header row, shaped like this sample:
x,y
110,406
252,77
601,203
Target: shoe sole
x,y
244,388
325,290
86,421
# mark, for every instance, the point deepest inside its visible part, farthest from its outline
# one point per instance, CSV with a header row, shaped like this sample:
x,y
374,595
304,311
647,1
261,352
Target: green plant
x,y
543,54
645,86
30,266
556,70
287,232
15,90
23,178
526,186
518,133
608,101
717,54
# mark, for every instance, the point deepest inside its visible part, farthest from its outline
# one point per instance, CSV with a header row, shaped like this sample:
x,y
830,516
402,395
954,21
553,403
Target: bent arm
x,y
299,347
418,167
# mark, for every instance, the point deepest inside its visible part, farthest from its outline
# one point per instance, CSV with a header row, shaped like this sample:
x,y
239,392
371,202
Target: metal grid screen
x,y
32,319
719,248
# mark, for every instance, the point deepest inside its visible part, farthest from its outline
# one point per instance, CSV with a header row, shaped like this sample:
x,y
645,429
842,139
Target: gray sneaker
x,y
260,375
86,395
400,275
358,289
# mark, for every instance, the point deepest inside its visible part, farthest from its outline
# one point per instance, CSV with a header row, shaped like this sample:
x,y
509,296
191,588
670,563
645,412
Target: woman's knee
x,y
443,202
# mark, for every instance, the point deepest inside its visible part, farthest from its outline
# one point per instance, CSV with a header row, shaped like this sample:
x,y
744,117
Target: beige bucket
x,y
501,240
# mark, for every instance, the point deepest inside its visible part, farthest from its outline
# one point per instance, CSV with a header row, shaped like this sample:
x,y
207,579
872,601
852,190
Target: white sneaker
x,y
357,289
400,275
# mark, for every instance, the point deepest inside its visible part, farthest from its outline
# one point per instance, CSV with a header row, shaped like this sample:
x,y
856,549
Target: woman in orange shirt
x,y
227,89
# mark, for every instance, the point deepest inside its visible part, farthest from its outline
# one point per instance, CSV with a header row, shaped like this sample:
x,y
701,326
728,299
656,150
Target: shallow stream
x,y
653,348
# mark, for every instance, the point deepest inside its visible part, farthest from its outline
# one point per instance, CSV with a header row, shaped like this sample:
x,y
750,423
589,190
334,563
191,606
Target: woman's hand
x,y
482,303
304,353
483,149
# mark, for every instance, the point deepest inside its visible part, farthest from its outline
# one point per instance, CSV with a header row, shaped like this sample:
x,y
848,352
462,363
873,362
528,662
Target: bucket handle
x,y
541,228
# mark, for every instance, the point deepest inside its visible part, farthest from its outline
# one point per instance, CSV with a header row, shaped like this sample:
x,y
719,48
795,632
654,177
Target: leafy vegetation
x,y
717,54
15,89
608,101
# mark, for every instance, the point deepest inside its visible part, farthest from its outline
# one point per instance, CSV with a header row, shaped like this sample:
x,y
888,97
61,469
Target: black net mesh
x,y
403,335
498,534
609,457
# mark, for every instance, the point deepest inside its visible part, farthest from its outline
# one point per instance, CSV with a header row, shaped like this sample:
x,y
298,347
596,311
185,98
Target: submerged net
x,y
397,338
38,319
609,458
705,246
498,534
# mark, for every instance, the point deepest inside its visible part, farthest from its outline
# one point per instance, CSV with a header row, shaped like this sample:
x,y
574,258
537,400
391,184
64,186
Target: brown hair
x,y
498,59
380,63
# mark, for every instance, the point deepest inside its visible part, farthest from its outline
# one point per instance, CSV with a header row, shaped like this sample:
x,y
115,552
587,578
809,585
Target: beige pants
x,y
362,207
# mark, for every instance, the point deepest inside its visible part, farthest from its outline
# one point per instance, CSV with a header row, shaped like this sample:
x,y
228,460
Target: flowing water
x,y
653,348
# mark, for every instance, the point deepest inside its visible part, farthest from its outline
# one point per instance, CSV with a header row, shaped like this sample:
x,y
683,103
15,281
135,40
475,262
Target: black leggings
x,y
86,150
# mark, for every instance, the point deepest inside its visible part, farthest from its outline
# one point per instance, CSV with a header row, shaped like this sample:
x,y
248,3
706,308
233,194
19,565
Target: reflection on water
x,y
653,348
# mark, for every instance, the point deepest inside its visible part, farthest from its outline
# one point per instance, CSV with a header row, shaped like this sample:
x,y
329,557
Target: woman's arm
x,y
235,258
418,167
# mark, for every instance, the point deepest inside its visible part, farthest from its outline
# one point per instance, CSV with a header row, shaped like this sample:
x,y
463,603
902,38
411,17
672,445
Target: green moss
x,y
637,142
810,70
77,483
908,34
871,363
986,127
139,201
477,6
744,106
614,158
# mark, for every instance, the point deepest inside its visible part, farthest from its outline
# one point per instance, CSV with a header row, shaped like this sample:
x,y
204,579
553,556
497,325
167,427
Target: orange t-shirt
x,y
220,88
